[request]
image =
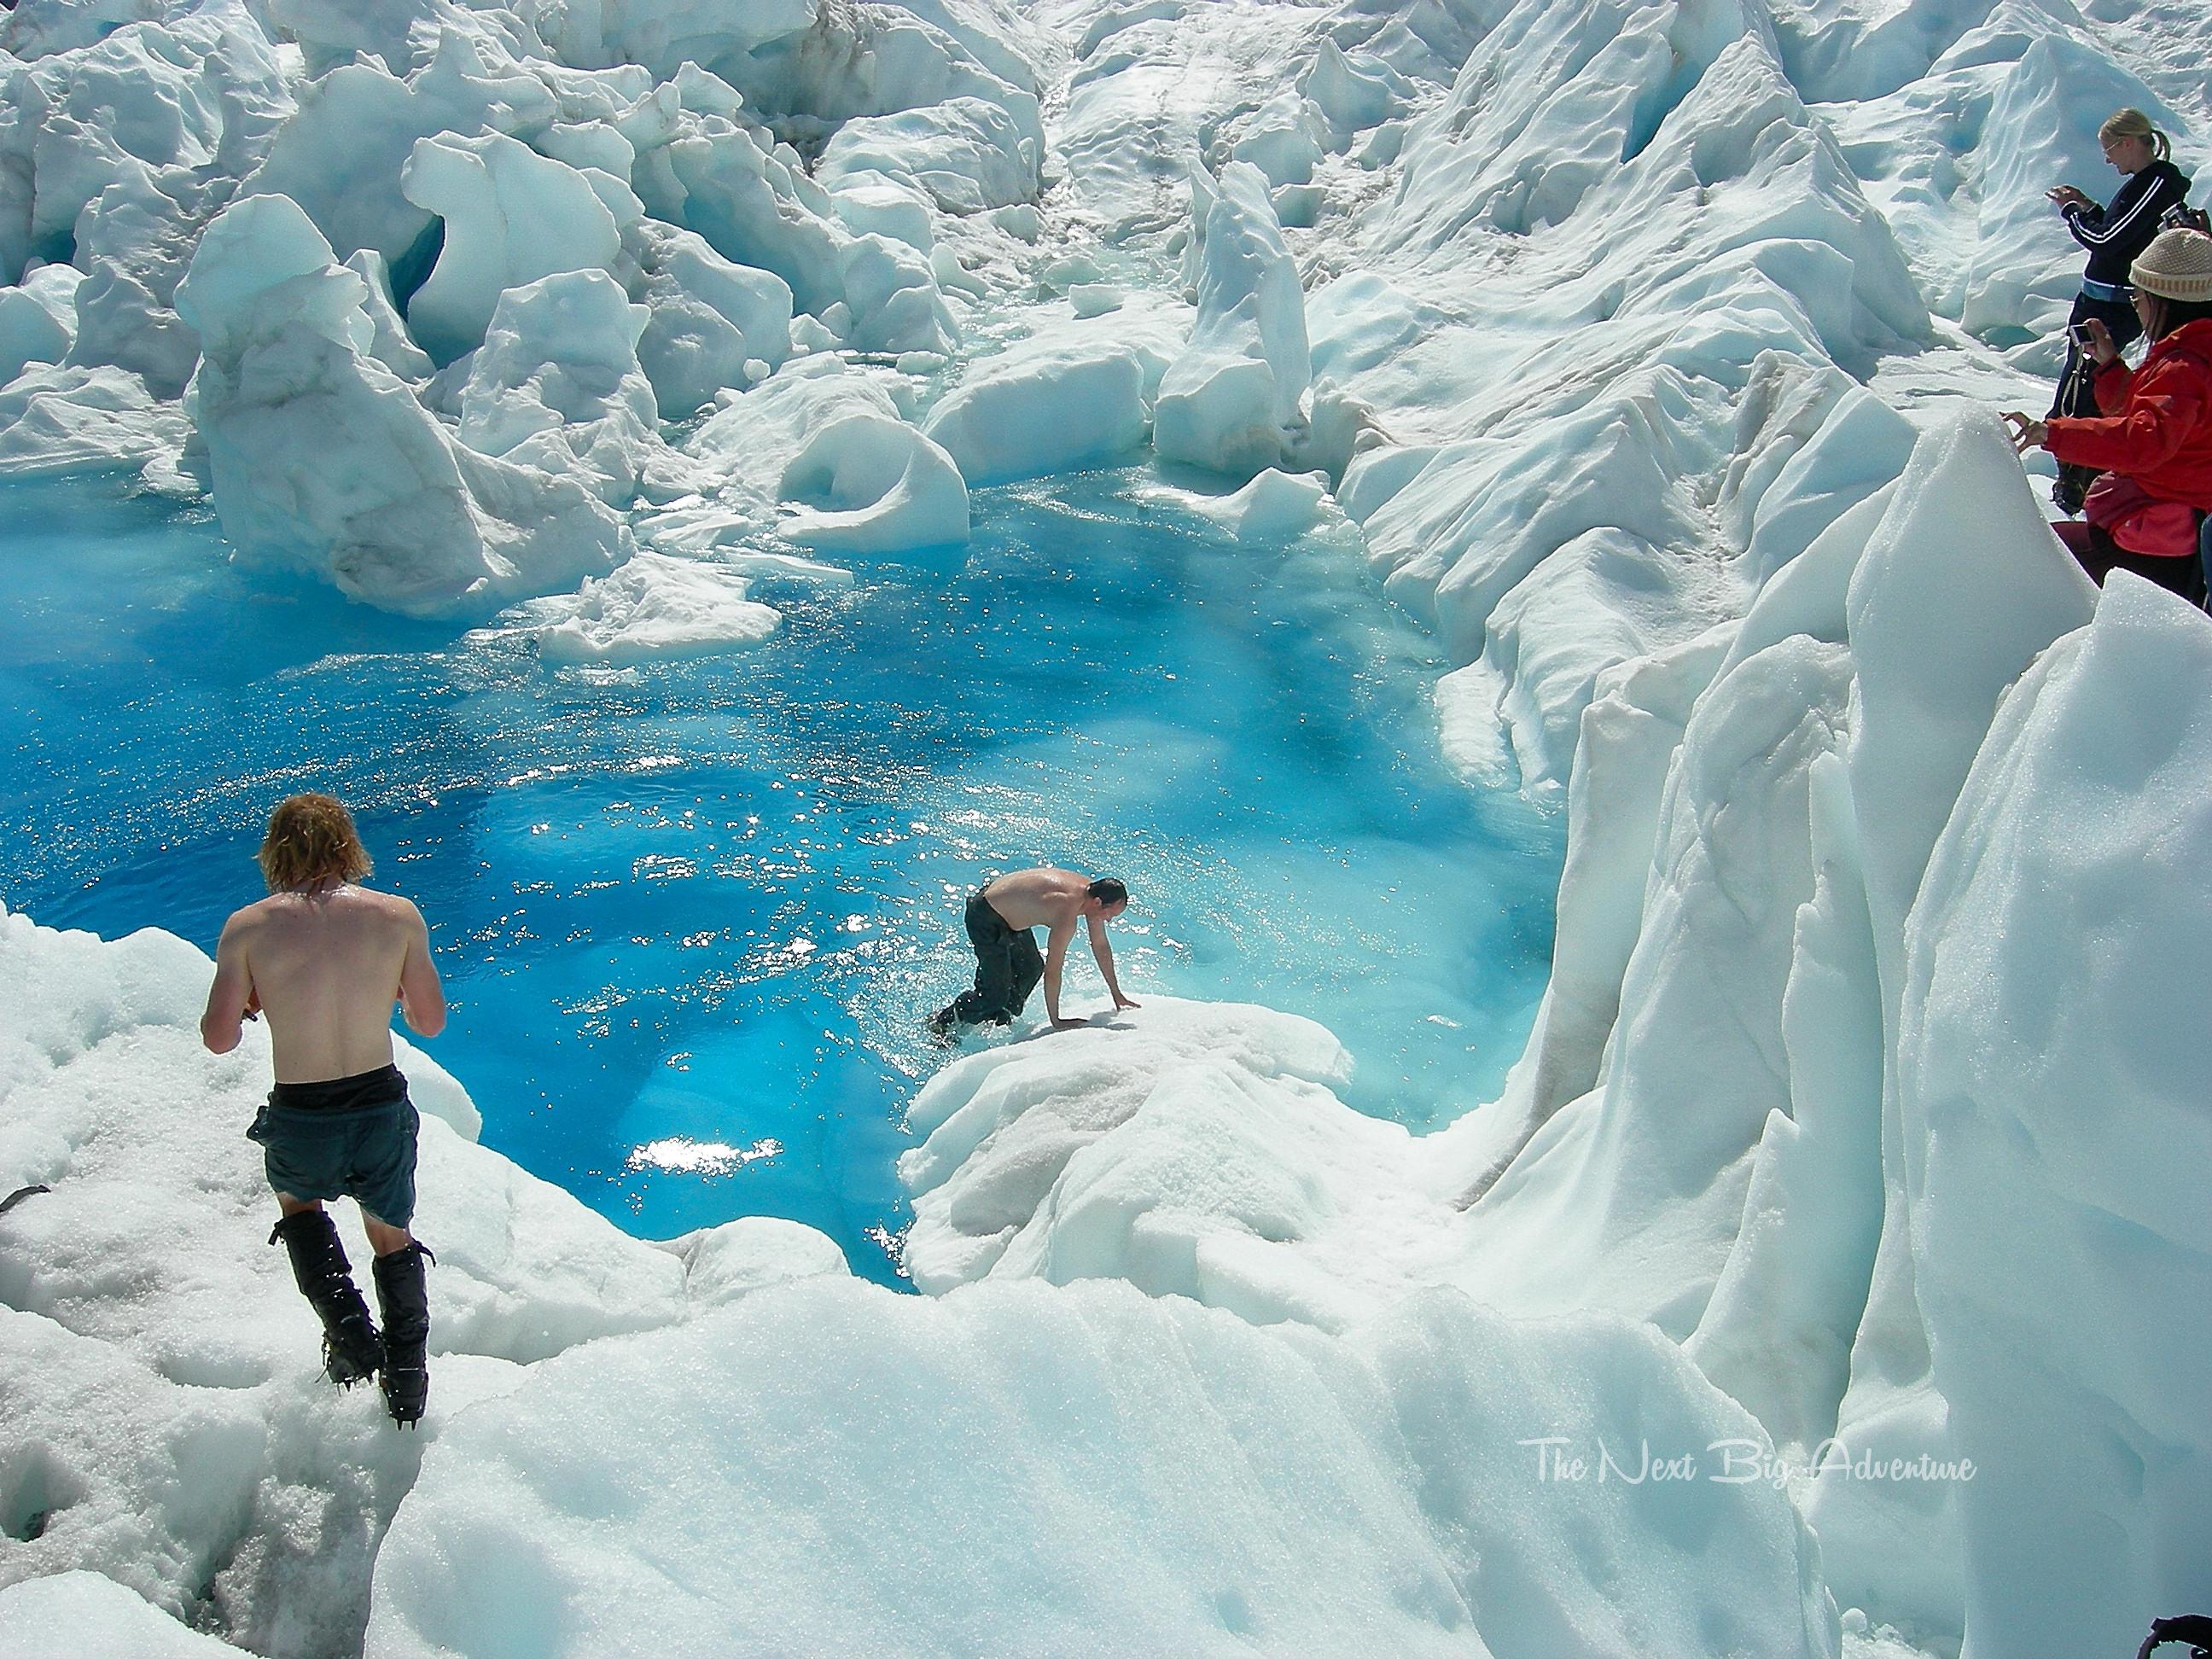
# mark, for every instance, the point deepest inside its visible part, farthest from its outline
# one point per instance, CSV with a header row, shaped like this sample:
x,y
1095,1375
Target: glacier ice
x,y
1630,339
377,493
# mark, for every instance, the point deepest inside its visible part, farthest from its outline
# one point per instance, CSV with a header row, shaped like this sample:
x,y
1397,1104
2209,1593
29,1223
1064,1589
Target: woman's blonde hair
x,y
311,839
2134,123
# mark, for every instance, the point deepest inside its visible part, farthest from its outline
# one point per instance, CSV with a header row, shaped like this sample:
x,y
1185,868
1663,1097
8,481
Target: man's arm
x,y
422,997
1055,959
1102,954
231,997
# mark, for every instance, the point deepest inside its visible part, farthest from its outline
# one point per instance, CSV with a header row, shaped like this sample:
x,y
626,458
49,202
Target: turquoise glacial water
x,y
691,914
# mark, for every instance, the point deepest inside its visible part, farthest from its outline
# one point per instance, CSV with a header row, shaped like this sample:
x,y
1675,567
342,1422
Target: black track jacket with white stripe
x,y
2116,233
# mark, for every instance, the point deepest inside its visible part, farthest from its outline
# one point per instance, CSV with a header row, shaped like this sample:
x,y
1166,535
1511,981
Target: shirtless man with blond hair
x,y
324,958
1007,966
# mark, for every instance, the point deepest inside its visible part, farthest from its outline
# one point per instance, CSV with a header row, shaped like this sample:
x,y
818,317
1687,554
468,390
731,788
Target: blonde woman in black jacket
x,y
2114,234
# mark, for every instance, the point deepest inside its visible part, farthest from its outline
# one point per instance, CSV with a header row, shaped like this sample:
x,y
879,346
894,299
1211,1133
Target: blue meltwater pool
x,y
692,914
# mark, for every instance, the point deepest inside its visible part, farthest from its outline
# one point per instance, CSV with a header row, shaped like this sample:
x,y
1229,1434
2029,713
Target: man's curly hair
x,y
311,839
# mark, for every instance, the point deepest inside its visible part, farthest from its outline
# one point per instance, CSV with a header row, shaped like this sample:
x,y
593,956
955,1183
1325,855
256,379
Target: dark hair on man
x,y
1108,889
311,839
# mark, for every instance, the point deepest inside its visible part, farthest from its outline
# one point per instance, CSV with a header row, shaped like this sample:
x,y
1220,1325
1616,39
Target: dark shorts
x,y
353,1137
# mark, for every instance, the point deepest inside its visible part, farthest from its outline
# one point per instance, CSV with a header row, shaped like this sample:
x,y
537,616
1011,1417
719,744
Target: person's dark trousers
x,y
1008,968
2096,552
2077,387
2204,553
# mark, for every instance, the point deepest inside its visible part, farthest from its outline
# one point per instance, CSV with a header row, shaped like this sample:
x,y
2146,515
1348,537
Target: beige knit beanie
x,y
2177,265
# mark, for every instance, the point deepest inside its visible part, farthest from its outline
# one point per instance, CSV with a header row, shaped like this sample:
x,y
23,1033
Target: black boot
x,y
406,1304
351,1353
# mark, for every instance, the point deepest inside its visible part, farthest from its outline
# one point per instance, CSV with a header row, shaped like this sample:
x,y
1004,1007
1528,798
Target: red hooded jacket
x,y
2157,425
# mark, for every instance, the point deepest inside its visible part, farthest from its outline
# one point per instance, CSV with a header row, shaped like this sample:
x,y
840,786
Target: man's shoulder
x,y
247,917
389,906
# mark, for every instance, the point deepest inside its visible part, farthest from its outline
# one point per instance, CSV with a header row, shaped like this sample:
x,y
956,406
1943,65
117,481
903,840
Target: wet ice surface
x,y
692,913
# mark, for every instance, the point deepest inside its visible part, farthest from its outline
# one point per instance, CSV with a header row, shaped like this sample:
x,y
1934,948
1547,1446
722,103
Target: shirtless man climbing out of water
x,y
1007,966
324,959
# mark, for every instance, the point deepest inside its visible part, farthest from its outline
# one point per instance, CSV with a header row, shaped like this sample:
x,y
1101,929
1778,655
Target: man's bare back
x,y
325,965
1055,900
1043,897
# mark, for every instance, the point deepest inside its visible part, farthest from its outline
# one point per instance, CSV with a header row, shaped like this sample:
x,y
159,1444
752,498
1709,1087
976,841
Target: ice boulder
x,y
71,420
191,91
1285,137
709,318
872,484
654,606
892,297
1352,95
1275,507
38,319
967,153
556,384
1229,401
321,457
755,434
2055,1130
390,343
512,216
665,35
343,155
134,242
1033,412
871,201
727,183
833,1467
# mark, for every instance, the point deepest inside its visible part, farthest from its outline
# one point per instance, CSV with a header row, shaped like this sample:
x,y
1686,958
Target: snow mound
x,y
1049,409
653,606
867,483
1276,505
1011,1469
1229,401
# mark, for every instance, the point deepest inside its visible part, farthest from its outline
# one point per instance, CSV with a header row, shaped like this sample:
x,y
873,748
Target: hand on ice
x,y
2027,431
1121,1002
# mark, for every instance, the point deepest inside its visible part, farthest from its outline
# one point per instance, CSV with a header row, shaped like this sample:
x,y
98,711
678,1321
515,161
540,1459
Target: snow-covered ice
x,y
1638,344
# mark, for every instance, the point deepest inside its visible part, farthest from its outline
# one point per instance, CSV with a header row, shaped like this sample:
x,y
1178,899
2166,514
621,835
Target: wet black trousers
x,y
1008,966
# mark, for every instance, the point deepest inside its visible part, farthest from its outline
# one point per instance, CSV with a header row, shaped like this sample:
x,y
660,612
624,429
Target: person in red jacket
x,y
2154,440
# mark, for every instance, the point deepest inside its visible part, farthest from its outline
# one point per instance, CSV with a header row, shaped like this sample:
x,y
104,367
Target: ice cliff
x,y
1647,346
